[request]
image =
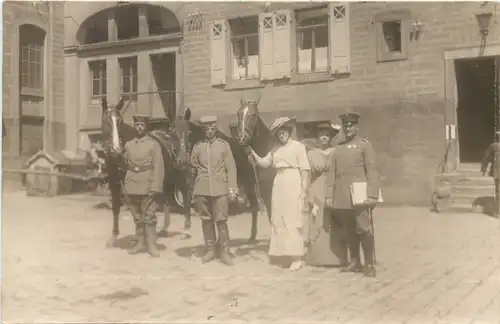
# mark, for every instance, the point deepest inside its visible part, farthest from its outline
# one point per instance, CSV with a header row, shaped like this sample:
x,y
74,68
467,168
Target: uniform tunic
x,y
353,161
287,220
145,168
326,243
216,169
215,175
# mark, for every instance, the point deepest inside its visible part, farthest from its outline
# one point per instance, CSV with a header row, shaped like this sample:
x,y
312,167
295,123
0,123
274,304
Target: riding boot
x,y
140,245
367,243
355,265
151,240
208,228
225,255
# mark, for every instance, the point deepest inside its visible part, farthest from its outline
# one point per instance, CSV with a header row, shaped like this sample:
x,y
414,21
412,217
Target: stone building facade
x,y
411,69
33,78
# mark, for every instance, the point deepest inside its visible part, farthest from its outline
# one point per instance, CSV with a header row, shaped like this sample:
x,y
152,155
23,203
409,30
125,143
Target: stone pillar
x,y
179,83
143,22
144,84
113,81
112,27
72,100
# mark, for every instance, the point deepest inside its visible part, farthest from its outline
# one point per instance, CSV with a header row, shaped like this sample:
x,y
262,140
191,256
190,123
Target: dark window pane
x,y
253,45
392,35
321,36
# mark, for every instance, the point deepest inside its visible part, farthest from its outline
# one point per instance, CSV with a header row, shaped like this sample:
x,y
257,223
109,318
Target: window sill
x,y
244,84
311,77
391,58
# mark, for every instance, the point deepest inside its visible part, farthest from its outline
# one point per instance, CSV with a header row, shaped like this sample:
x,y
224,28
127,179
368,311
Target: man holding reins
x,y
215,183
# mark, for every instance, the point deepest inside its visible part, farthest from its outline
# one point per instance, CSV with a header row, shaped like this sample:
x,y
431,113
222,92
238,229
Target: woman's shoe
x,y
296,265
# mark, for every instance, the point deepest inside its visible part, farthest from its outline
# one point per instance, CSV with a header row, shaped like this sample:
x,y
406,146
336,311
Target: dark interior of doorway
x,y
476,113
163,66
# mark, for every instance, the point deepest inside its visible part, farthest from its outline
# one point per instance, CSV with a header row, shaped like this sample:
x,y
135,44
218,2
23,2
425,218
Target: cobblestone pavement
x,y
433,268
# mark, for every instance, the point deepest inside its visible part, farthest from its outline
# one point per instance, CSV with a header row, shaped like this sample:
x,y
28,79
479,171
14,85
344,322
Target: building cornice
x,y
122,46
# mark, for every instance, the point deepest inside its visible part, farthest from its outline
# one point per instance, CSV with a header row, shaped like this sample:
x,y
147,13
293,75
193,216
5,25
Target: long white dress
x,y
287,208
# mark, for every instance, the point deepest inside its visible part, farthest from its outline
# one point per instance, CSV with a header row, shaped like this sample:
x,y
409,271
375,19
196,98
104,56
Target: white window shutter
x,y
340,37
282,43
218,58
266,45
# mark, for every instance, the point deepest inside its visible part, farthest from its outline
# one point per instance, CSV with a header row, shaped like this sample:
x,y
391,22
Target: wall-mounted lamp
x,y
416,27
483,21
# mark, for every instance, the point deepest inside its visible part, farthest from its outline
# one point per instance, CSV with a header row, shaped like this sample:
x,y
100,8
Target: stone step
x,y
461,199
473,190
480,180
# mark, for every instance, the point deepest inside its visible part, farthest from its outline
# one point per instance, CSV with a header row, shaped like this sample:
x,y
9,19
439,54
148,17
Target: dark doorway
x,y
163,66
476,113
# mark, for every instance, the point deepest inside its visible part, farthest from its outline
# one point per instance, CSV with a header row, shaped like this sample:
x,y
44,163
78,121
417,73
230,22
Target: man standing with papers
x,y
352,191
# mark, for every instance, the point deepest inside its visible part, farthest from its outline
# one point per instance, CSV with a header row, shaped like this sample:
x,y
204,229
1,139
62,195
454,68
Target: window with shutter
x,y
218,51
266,45
340,38
312,40
282,43
244,48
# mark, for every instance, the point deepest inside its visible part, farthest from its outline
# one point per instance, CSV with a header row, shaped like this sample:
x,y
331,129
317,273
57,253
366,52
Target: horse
x,y
253,133
115,134
193,132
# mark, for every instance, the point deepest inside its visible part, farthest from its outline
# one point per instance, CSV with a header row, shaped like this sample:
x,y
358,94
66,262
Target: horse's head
x,y
248,115
112,126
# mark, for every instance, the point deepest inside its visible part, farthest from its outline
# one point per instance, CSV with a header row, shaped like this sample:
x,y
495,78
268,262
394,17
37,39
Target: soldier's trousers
x,y
143,213
214,211
358,231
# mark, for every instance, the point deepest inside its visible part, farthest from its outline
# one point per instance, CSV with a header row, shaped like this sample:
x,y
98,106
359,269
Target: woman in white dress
x,y
289,193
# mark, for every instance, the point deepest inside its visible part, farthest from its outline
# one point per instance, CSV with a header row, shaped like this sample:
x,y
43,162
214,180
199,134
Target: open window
x,y
312,40
392,36
98,78
128,68
245,47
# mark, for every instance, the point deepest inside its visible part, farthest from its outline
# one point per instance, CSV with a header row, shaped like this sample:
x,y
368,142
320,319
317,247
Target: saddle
x,y
169,144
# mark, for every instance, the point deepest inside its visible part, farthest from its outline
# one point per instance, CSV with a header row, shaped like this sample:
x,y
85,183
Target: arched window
x,y
31,42
31,88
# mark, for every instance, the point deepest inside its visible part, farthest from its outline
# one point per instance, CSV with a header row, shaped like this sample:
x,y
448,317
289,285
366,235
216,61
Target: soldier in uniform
x,y
492,156
143,184
215,183
354,161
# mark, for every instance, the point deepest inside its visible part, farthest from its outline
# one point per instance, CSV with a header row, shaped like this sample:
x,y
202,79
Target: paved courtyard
x,y
433,268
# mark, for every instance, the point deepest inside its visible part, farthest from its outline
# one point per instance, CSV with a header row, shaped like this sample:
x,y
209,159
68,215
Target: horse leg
x,y
115,206
166,218
187,208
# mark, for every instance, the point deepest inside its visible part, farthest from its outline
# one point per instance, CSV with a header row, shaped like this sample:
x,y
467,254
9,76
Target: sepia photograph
x,y
330,162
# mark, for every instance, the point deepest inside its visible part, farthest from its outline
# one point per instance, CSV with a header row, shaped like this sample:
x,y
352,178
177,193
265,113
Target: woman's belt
x,y
140,168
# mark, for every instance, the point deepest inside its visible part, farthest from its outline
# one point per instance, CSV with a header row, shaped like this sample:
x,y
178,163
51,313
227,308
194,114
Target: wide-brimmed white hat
x,y
280,122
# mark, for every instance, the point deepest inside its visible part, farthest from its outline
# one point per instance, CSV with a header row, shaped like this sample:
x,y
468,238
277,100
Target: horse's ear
x,y
104,104
187,114
119,106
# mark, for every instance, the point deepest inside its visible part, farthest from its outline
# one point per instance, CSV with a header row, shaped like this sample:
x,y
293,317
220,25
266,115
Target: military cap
x,y
141,118
208,119
349,118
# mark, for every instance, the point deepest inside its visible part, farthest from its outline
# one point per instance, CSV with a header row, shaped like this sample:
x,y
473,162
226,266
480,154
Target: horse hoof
x,y
252,240
187,225
163,233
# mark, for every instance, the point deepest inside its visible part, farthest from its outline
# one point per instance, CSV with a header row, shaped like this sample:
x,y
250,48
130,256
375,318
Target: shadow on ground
x,y
486,204
128,241
239,247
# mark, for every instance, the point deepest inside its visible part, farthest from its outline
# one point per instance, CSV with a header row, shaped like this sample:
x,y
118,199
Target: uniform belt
x,y
140,168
